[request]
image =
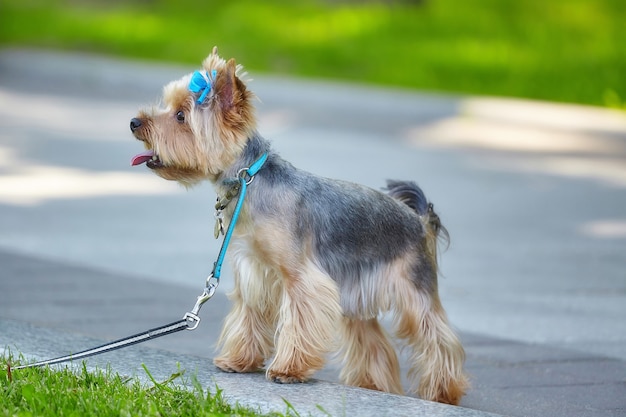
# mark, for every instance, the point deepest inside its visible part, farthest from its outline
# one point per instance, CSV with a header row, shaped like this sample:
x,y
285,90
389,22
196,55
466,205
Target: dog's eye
x,y
180,116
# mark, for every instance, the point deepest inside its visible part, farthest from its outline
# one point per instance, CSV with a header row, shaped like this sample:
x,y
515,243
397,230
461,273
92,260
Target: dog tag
x,y
216,229
219,225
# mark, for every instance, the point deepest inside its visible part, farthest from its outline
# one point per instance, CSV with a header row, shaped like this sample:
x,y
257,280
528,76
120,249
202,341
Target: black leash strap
x,y
118,344
189,322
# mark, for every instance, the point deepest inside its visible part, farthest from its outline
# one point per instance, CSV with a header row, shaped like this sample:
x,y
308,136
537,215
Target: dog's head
x,y
202,125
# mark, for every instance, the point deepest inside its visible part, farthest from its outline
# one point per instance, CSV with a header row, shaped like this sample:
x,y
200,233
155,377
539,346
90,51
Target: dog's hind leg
x,y
369,358
437,354
307,324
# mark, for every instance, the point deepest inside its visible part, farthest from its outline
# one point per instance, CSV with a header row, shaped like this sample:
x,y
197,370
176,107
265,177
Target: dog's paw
x,y
283,378
230,366
223,367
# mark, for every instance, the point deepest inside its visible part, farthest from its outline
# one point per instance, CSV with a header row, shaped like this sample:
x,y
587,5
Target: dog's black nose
x,y
134,124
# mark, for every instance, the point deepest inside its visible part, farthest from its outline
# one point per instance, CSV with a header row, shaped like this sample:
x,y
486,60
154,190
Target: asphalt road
x,y
533,194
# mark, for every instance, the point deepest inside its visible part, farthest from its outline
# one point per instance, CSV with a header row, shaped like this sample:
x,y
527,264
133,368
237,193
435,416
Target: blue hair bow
x,y
201,81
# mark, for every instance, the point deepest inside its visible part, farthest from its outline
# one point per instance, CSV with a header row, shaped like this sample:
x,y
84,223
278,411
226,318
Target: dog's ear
x,y
233,100
229,89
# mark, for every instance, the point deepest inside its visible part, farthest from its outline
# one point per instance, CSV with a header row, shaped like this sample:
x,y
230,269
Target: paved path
x,y
534,196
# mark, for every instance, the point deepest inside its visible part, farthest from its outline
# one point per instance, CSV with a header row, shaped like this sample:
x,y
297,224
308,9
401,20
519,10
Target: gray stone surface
x,y
532,193
315,398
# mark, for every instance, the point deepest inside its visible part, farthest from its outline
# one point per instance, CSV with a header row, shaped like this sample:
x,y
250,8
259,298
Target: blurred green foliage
x,y
560,50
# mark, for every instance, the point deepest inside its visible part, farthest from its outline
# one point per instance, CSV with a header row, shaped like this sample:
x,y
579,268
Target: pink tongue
x,y
142,158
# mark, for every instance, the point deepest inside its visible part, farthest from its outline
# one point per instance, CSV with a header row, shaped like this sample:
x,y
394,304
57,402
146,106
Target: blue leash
x,y
190,321
245,177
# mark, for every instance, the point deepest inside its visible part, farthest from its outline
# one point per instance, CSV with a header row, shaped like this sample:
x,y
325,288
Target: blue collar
x,y
257,165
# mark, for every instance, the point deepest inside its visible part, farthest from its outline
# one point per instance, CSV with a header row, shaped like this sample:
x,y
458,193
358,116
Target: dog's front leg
x,y
247,337
307,322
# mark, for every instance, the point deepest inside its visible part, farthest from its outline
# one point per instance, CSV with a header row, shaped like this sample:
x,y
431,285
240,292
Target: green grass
x,y
45,392
560,50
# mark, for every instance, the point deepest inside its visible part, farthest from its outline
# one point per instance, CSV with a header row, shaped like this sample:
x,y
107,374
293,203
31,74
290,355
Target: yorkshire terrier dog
x,y
316,260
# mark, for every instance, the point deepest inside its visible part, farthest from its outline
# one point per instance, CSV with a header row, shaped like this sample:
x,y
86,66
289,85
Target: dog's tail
x,y
412,195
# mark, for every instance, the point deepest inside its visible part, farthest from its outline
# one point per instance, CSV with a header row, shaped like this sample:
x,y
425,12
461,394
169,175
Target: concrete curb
x,y
315,398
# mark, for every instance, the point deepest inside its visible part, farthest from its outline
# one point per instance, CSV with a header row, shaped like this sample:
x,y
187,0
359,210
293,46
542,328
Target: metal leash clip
x,y
192,317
